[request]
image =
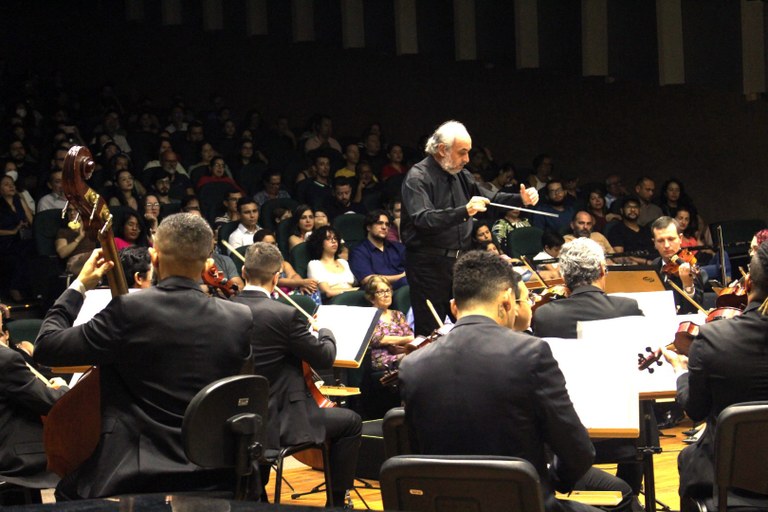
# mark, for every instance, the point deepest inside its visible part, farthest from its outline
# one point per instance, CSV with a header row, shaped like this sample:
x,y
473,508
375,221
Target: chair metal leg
x,y
327,471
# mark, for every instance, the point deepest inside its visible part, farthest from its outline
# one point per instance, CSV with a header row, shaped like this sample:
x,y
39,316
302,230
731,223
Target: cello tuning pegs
x,y
650,370
648,349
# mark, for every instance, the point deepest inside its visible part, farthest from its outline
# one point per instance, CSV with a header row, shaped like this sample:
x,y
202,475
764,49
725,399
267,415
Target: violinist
x,y
281,341
23,399
583,266
155,350
685,274
726,364
510,398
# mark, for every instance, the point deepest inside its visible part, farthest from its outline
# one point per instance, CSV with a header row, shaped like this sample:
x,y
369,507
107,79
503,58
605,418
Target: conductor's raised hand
x,y
476,205
94,269
530,196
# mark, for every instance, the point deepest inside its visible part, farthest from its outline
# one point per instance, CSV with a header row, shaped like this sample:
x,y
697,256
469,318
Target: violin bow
x,y
533,270
434,313
529,210
686,297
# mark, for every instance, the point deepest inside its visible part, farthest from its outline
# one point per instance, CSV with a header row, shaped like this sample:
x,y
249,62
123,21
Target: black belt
x,y
437,251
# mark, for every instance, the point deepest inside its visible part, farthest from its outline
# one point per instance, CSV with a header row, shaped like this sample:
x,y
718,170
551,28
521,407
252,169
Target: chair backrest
x,y
24,329
353,298
434,483
524,242
397,440
299,258
351,228
46,226
207,436
283,233
224,231
212,196
741,450
305,302
401,299
238,261
265,215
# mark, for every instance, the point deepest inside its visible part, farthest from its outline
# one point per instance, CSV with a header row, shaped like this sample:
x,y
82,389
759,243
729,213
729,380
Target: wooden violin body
x,y
73,425
215,278
392,377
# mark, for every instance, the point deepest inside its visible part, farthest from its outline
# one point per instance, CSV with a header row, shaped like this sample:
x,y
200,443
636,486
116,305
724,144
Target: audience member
x,y
272,190
581,227
630,236
376,255
395,164
508,223
304,223
392,330
542,171
556,203
54,200
645,188
125,193
73,245
16,244
130,230
322,129
249,223
230,209
331,272
342,200
351,158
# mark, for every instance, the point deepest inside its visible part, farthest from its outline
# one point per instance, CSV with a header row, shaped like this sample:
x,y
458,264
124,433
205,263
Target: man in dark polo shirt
x,y
440,198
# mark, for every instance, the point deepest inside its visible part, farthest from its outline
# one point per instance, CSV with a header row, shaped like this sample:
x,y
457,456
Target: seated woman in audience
x,y
206,156
290,281
597,208
395,164
481,233
707,259
392,330
151,215
504,179
673,196
72,243
15,239
137,267
217,174
130,231
331,272
126,193
505,225
304,223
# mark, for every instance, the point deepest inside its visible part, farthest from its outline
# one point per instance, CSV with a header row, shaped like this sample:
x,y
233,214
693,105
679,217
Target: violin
x,y
686,333
672,268
734,295
392,377
216,279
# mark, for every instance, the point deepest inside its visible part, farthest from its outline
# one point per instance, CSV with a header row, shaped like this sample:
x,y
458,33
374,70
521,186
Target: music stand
x,y
636,278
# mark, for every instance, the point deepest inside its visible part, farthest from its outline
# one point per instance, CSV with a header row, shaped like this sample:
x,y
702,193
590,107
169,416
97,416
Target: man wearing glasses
x,y
558,203
378,256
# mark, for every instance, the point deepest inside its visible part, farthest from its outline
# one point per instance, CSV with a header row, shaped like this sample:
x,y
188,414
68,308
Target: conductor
x,y
440,198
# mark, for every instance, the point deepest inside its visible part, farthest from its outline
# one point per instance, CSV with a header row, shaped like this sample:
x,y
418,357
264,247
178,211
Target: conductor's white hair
x,y
446,133
581,262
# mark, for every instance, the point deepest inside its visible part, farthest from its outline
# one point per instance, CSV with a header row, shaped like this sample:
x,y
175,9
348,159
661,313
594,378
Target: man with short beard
x,y
556,203
581,227
440,198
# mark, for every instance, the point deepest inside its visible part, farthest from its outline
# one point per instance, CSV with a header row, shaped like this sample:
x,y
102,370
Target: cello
x,y
73,426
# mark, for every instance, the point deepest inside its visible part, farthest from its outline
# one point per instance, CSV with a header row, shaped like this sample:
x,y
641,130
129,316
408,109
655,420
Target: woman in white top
x,y
331,273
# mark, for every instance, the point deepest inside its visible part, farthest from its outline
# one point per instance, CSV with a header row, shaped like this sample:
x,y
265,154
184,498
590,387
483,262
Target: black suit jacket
x,y
728,364
23,399
557,319
684,307
156,349
487,390
280,341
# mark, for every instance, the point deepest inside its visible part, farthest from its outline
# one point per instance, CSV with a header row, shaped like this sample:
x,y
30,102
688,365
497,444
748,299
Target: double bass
x,y
73,426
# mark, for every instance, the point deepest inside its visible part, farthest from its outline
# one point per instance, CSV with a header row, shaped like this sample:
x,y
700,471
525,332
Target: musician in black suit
x,y
24,397
156,349
280,342
666,239
583,266
726,365
510,398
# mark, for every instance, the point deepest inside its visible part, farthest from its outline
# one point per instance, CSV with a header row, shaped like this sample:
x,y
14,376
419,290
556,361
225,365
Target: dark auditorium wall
x,y
704,132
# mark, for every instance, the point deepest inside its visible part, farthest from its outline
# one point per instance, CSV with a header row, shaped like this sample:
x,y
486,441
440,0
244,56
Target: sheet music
x,y
352,327
599,406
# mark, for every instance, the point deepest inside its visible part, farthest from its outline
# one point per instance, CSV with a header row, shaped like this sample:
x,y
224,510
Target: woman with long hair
x,y
304,222
332,273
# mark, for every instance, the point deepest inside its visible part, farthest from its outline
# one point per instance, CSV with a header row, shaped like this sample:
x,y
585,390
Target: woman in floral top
x,y
392,331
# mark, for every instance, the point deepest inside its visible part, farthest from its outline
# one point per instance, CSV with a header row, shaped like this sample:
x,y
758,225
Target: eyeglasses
x,y
383,293
151,205
332,239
